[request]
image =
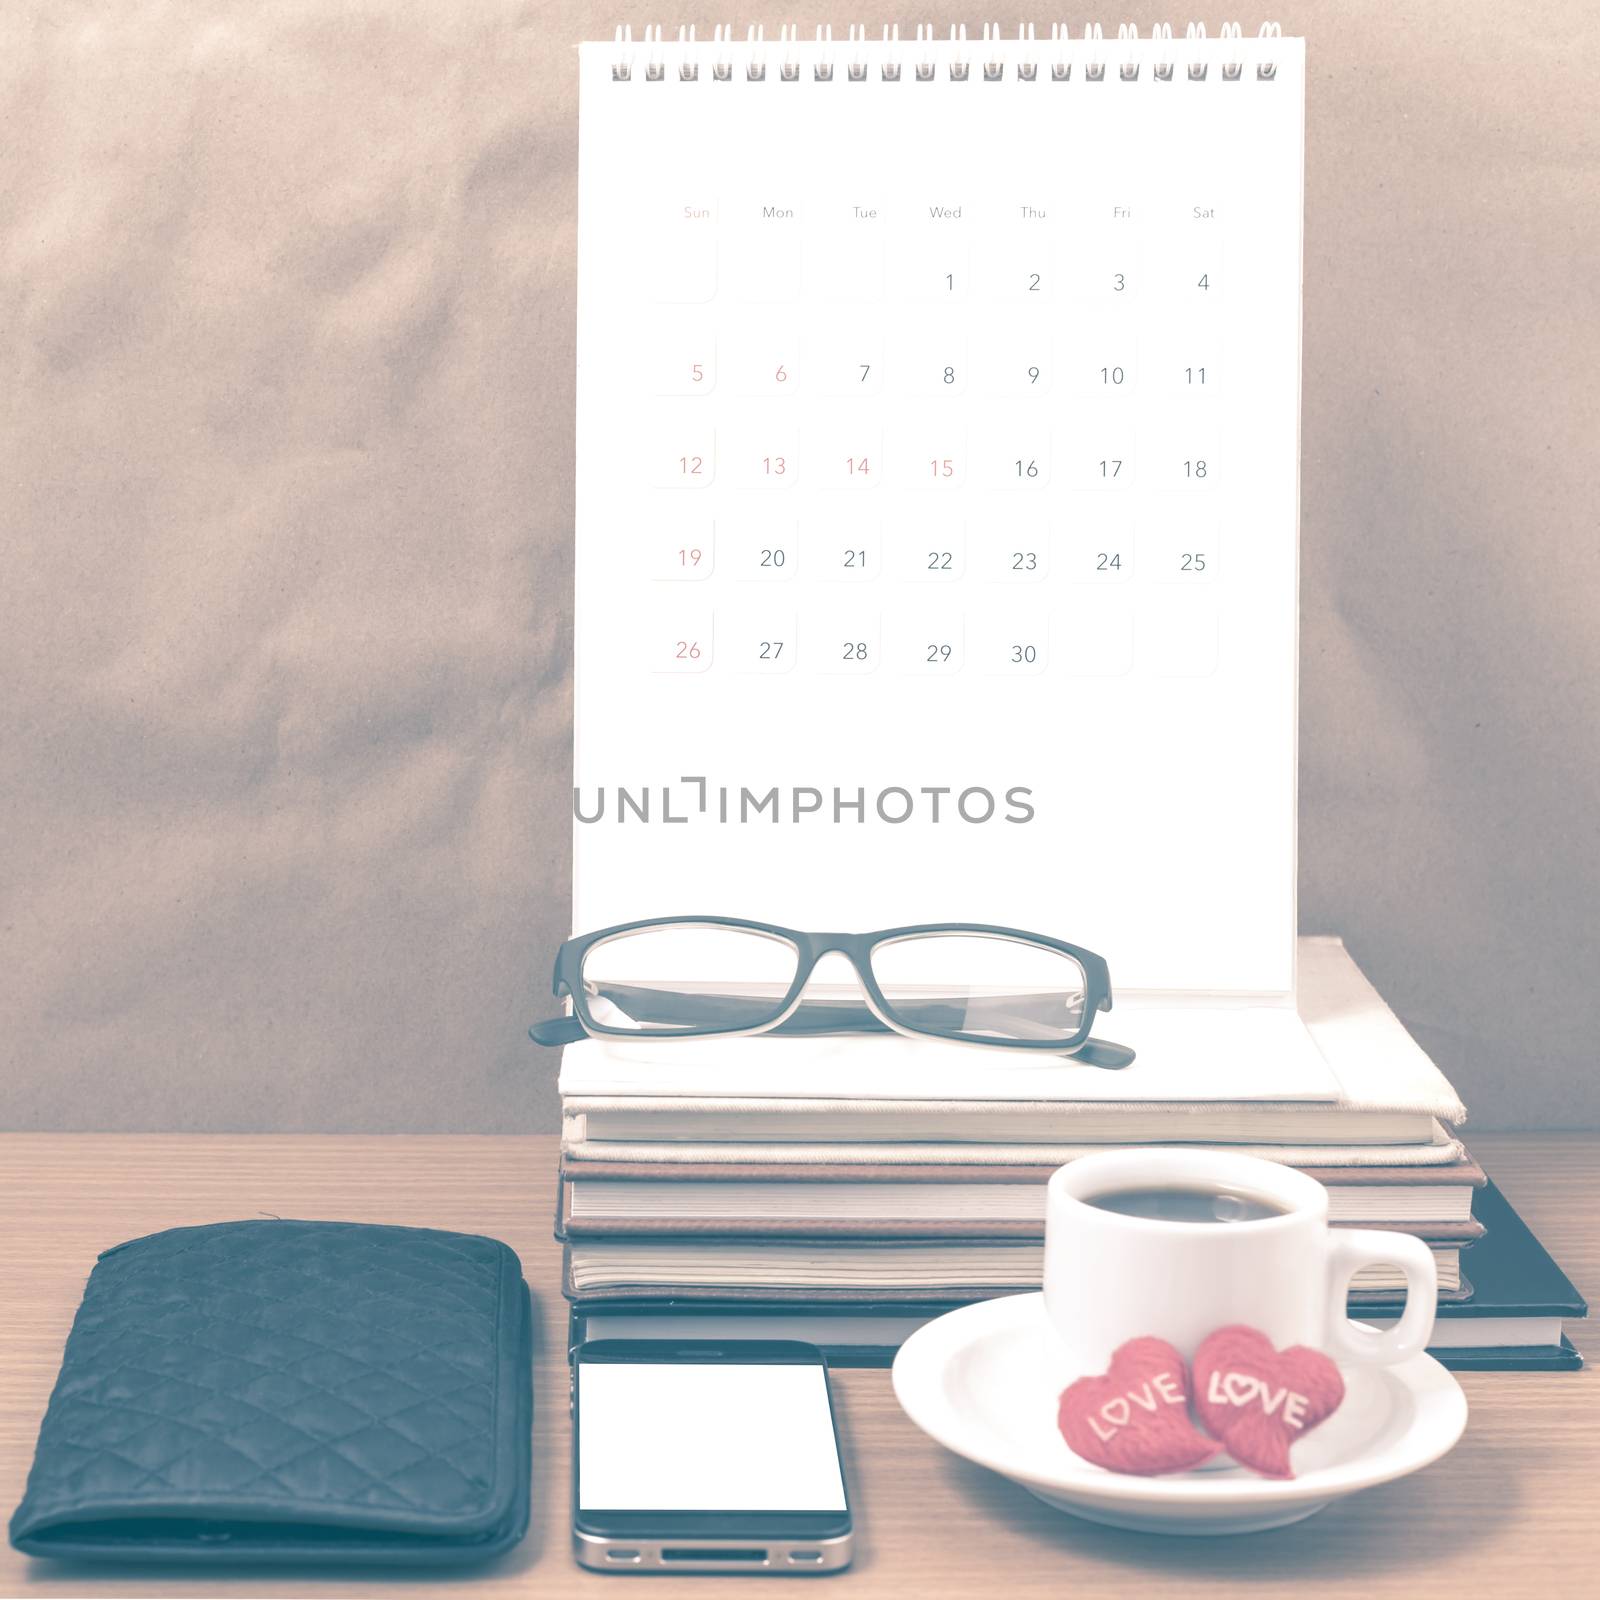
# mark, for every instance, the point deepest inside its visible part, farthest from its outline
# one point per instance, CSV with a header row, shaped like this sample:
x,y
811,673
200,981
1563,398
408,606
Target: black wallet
x,y
290,1392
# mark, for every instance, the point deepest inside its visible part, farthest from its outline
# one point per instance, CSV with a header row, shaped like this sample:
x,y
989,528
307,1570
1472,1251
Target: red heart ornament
x,y
1135,1417
1258,1400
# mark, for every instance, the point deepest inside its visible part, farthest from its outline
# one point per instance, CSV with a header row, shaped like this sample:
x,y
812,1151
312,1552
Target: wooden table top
x,y
1509,1512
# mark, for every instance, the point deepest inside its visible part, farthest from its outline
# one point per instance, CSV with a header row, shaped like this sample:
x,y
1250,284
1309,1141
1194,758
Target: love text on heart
x,y
1163,1389
1244,1389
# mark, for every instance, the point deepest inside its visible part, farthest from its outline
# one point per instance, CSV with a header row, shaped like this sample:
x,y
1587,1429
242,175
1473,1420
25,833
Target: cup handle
x,y
1350,1249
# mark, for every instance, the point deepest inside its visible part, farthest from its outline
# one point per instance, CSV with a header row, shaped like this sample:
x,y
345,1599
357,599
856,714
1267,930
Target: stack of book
x,y
843,1191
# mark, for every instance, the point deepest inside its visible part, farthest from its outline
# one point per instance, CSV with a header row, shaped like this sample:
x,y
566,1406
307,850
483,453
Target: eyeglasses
x,y
708,977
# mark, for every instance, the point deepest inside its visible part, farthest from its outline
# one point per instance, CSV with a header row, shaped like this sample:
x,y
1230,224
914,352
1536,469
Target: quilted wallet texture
x,y
290,1391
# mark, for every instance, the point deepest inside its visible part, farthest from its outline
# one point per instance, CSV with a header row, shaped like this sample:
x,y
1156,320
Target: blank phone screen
x,y
660,1436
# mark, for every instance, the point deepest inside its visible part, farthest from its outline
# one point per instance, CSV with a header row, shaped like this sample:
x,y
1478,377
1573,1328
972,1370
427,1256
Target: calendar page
x,y
938,491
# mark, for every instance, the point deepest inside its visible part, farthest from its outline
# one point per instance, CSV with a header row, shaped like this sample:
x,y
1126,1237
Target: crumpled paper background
x,y
286,308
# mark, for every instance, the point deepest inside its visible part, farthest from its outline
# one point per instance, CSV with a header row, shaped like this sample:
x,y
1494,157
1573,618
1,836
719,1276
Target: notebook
x,y
584,1155
637,1123
600,1199
937,488
1369,1082
870,1269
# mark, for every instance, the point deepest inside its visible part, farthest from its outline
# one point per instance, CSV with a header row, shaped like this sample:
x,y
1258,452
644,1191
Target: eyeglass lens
x,y
986,985
688,976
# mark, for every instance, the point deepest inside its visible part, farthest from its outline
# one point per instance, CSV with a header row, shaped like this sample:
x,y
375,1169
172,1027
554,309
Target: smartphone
x,y
706,1456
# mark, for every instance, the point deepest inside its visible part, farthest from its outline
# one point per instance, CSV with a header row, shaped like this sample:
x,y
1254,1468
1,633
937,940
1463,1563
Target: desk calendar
x,y
938,489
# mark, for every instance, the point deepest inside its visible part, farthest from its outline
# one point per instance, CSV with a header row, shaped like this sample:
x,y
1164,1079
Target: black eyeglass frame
x,y
857,948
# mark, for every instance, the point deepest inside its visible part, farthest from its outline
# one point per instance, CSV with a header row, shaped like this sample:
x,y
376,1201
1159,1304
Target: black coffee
x,y
1189,1205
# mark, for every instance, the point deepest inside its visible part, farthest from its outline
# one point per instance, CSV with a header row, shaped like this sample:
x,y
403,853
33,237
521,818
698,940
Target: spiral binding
x,y
1028,54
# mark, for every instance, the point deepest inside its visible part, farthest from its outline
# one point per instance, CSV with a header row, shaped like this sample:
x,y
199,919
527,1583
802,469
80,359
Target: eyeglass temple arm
x,y
646,1003
823,1017
811,1017
557,1030
662,1007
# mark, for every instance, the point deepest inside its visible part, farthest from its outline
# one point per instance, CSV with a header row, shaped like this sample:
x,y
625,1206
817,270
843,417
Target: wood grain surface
x,y
1509,1512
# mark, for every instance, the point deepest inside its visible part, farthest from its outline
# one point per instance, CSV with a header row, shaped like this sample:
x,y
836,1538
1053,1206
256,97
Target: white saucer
x,y
985,1381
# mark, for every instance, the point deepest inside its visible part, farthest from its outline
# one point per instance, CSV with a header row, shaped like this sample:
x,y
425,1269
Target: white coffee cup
x,y
1110,1277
